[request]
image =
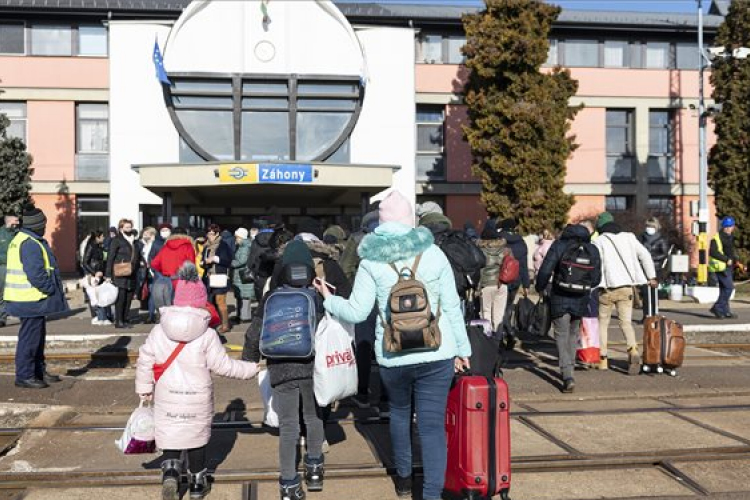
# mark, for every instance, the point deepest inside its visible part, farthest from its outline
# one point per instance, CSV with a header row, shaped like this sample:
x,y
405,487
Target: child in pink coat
x,y
183,396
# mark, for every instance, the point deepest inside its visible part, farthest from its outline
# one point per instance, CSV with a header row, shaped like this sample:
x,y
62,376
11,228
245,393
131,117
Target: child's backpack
x,y
510,269
575,270
290,317
412,326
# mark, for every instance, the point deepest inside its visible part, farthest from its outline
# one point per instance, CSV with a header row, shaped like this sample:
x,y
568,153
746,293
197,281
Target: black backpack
x,y
575,270
465,257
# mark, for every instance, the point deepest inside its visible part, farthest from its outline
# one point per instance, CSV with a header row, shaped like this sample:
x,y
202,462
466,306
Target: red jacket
x,y
173,254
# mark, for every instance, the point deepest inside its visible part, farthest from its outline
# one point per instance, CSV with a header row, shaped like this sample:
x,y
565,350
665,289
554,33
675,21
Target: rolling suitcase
x,y
478,428
663,341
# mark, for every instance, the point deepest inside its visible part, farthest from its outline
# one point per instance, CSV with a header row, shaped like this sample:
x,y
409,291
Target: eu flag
x,y
161,73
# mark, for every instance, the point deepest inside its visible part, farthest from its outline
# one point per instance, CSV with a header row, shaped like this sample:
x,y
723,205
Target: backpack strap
x,y
414,267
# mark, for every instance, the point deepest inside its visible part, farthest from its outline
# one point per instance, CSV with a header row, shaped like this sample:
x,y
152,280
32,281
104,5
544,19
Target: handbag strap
x,y
627,270
175,353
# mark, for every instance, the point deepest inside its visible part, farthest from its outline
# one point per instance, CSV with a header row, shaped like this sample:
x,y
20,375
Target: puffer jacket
x,y
176,251
494,251
540,253
184,400
657,246
561,301
394,242
625,262
241,256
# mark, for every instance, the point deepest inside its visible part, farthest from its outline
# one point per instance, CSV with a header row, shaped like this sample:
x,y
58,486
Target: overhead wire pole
x,y
702,160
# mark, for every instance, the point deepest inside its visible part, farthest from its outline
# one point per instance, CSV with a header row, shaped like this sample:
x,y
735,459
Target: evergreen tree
x,y
519,117
729,161
15,172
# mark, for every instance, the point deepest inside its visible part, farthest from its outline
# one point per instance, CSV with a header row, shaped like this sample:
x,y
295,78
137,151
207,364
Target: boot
x,y
604,363
314,473
634,361
221,305
170,479
200,484
291,490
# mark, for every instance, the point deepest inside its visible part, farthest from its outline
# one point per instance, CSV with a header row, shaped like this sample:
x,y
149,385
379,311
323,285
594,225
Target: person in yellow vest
x,y
722,261
33,291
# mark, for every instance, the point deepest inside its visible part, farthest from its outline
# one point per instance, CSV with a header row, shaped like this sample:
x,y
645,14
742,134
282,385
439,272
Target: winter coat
x,y
438,224
183,398
657,246
121,250
222,267
521,253
349,260
228,238
6,236
615,274
540,253
727,243
561,301
241,256
48,283
262,260
176,251
394,242
93,259
494,251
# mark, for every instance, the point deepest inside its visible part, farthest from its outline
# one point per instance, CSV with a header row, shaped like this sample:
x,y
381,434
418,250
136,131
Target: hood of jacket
x,y
184,324
391,242
177,241
492,247
575,232
323,250
437,223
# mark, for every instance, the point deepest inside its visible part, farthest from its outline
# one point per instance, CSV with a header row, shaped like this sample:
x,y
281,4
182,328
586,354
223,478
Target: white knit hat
x,y
242,233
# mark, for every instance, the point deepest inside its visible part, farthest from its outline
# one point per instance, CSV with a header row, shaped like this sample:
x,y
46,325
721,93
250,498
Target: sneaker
x,y
604,363
326,447
403,486
95,322
634,361
291,490
314,474
730,315
105,322
716,313
568,385
170,480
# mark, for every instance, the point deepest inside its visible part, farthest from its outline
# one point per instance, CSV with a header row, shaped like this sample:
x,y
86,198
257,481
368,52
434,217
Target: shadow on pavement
x,y
113,355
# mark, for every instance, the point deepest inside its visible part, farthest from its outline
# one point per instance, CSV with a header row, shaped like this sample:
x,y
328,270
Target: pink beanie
x,y
190,294
396,208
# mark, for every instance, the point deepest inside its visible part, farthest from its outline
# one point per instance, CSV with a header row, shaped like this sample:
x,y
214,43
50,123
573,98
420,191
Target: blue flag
x,y
161,73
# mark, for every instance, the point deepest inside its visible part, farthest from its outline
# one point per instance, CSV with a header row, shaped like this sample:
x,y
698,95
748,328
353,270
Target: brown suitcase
x,y
663,341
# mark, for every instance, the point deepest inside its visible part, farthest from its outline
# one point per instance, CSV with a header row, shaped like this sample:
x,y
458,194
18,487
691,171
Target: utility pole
x,y
702,159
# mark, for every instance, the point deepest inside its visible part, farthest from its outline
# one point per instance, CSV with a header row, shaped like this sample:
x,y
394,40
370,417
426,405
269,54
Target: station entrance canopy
x,y
277,184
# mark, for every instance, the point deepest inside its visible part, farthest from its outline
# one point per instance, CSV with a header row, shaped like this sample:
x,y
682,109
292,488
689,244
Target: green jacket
x,y
247,290
6,235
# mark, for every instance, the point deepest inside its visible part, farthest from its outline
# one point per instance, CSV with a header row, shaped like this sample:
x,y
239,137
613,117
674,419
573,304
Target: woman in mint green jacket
x,y
424,375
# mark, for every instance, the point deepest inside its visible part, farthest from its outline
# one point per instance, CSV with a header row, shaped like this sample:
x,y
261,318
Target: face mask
x,y
129,233
651,230
165,234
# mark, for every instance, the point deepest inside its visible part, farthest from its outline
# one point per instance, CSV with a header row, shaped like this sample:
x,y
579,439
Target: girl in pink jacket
x,y
541,251
183,396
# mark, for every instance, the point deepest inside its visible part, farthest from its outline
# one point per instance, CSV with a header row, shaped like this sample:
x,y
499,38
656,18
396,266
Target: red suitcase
x,y
478,427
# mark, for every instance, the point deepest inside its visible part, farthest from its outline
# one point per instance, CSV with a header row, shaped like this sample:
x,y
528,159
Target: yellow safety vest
x,y
17,285
715,265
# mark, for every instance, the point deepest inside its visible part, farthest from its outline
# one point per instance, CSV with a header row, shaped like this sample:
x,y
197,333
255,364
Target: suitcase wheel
x,y
504,495
646,368
672,373
659,369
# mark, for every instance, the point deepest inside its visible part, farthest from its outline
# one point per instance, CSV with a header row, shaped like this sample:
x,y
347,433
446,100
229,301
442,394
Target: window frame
x,y
24,28
238,93
630,146
77,40
424,154
24,118
626,198
30,38
562,51
669,155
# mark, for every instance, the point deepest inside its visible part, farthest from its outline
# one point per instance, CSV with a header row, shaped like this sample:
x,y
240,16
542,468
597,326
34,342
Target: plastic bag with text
x,y
588,341
335,375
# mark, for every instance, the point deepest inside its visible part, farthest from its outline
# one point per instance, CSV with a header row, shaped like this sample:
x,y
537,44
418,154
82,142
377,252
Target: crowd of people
x,y
588,269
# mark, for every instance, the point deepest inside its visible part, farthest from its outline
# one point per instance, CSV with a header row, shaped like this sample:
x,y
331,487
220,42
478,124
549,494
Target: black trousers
x,y
122,305
196,458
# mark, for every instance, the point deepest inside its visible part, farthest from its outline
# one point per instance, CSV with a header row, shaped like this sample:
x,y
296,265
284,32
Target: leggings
x,y
196,458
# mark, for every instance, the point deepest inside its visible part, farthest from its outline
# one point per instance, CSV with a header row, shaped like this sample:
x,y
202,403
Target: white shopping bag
x,y
335,375
270,417
106,294
139,434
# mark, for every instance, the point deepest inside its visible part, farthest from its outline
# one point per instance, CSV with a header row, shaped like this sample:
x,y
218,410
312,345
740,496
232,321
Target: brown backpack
x,y
412,326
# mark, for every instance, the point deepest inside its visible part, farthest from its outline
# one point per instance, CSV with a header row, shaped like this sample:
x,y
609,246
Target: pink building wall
x,y
55,72
52,139
587,165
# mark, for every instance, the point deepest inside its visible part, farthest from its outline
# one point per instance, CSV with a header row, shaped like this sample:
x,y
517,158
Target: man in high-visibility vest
x,y
7,233
33,291
722,261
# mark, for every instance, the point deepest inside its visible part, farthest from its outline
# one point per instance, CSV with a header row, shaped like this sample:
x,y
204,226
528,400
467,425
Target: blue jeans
x,y
429,383
726,287
103,313
30,349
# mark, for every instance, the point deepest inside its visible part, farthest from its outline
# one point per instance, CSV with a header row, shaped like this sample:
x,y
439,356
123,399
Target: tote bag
x,y
335,372
588,341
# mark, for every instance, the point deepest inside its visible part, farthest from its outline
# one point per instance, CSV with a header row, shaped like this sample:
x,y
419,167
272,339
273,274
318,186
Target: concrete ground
x,y
616,437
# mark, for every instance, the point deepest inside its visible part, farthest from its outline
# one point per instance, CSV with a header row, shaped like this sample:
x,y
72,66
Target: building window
x,y
618,203
92,143
12,38
16,113
687,56
430,157
552,56
51,40
661,205
92,41
620,145
93,215
616,54
455,44
440,49
581,53
661,146
275,119
657,55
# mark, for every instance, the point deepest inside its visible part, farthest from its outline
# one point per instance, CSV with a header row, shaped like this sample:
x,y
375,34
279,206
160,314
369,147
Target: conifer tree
x,y
15,171
729,161
519,117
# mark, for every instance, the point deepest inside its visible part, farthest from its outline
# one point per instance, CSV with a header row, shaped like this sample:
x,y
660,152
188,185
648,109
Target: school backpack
x,y
510,269
290,317
575,270
465,257
412,326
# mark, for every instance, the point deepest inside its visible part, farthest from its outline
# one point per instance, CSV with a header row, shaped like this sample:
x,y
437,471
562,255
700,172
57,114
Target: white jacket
x,y
640,266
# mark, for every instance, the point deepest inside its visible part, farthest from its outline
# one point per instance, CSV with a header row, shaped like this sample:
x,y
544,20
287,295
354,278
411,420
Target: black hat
x,y
34,220
508,224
